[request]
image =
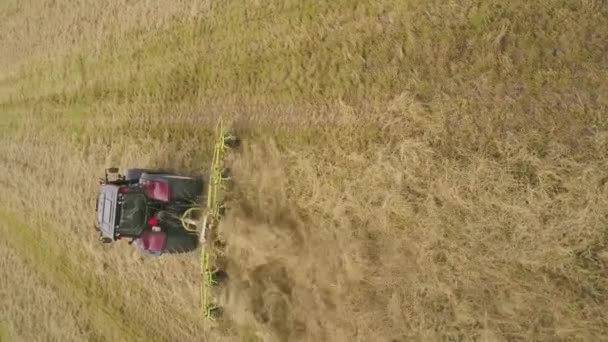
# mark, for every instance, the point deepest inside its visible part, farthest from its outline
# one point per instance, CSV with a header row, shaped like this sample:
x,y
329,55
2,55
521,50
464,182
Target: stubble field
x,y
410,170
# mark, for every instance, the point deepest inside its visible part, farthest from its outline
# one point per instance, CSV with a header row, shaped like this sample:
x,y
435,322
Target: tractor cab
x,y
131,203
121,213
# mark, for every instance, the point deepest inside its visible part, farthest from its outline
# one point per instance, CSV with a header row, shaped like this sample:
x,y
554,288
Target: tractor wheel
x,y
183,189
231,140
216,312
133,175
219,277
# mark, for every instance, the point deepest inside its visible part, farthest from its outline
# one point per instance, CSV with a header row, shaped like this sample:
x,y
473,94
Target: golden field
x,y
410,170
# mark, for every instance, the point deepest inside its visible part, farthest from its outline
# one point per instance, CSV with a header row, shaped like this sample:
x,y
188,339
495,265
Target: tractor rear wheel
x,y
133,175
183,189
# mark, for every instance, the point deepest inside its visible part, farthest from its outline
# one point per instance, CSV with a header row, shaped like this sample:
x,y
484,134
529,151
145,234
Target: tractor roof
x,y
106,210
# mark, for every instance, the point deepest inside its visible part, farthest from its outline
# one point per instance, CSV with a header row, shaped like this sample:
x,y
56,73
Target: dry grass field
x,y
410,170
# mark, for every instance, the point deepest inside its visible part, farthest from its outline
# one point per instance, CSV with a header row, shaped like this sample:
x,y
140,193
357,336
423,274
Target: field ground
x,y
410,170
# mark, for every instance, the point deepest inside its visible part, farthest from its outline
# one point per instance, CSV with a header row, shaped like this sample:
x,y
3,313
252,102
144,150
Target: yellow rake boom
x,y
211,219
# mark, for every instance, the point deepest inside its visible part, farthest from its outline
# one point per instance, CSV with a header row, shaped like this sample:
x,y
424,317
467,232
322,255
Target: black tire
x,y
183,189
133,175
178,239
216,312
219,276
231,141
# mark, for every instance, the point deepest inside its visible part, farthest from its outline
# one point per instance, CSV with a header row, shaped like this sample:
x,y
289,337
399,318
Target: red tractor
x,y
146,207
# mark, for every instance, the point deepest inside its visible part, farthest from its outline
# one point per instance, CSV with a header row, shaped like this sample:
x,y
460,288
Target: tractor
x,y
147,207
